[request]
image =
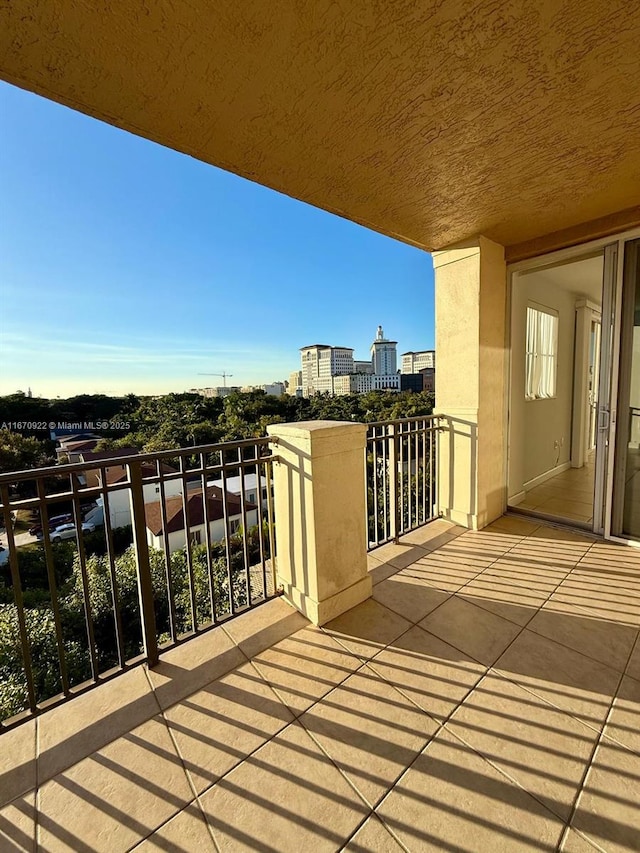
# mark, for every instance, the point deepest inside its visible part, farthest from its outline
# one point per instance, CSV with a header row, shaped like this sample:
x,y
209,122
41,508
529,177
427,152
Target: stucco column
x,y
320,506
471,350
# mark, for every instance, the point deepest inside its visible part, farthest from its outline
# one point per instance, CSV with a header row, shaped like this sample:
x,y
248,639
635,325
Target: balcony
x,y
486,698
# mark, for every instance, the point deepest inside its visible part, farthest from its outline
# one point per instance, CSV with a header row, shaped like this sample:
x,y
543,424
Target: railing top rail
x,y
73,467
412,419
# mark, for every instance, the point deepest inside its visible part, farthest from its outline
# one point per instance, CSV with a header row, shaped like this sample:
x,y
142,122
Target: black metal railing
x,y
109,562
401,470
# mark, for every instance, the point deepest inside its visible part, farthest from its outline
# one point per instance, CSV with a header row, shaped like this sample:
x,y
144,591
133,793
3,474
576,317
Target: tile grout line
x,y
594,751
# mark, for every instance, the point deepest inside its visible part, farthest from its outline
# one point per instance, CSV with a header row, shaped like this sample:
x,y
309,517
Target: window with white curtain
x,y
541,353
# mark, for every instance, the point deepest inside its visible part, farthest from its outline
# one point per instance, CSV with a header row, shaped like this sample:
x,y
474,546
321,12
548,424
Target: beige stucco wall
x,y
471,348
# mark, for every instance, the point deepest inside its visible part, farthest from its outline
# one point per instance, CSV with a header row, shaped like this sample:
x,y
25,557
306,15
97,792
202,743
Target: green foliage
x,y
18,452
101,591
44,658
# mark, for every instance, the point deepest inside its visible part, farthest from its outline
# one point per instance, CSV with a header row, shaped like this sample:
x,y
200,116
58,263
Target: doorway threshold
x,y
570,524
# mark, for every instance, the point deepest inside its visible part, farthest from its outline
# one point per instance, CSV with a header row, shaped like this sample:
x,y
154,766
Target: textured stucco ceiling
x,y
431,121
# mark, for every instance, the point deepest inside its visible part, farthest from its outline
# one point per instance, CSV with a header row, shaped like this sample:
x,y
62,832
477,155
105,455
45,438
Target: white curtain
x,y
541,354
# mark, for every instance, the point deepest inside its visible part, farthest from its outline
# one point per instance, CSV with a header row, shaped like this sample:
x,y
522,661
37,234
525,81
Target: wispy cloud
x,y
21,345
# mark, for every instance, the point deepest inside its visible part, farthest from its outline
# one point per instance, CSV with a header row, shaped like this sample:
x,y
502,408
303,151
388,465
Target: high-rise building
x,y
414,362
295,384
383,355
320,363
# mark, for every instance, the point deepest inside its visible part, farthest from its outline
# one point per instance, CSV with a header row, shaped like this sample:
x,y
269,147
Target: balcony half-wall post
x,y
471,347
320,511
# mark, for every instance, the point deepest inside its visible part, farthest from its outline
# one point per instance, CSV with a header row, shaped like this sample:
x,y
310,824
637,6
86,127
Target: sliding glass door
x,y
625,426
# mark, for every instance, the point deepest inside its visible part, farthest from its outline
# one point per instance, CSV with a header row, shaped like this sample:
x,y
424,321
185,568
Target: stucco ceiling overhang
x,y
428,121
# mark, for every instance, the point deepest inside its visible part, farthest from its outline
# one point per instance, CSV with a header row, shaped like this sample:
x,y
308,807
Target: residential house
x,y
176,526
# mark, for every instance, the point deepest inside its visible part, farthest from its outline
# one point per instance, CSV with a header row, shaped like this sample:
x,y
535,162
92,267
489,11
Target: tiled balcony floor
x,y
487,698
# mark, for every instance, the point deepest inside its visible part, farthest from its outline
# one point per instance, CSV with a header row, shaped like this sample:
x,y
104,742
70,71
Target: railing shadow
x,y
358,714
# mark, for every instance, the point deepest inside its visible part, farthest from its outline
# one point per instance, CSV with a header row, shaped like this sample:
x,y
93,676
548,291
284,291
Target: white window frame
x,y
541,352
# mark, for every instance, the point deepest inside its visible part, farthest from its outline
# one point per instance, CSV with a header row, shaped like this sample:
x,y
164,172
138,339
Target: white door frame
x,y
610,365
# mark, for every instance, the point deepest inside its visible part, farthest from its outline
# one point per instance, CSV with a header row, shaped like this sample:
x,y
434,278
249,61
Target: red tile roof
x,y
195,509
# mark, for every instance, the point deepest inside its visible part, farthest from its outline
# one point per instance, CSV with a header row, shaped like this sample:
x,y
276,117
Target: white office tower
x,y
414,362
320,363
383,355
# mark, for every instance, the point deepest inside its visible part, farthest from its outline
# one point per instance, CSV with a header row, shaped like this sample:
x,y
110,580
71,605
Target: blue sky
x,y
127,267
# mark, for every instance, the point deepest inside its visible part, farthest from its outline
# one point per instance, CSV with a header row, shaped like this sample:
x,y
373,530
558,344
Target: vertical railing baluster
x,y
245,532
18,600
227,542
111,557
86,590
271,521
207,537
171,598
145,581
393,482
53,585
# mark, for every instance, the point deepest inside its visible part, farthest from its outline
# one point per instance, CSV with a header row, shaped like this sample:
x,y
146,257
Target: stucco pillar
x,y
471,348
319,483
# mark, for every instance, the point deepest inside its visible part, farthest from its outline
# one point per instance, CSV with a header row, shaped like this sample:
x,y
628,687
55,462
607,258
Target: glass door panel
x,y
625,508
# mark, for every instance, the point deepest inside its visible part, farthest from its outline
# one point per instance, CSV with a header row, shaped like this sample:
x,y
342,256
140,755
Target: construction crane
x,y
223,375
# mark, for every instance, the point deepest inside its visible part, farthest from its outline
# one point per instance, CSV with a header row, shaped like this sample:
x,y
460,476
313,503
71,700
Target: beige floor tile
x,y
194,663
441,574
607,811
518,567
574,683
409,596
599,602
217,727
558,557
463,554
519,527
373,837
305,666
623,724
451,799
427,540
18,825
367,628
608,555
490,540
576,843
434,675
370,730
287,796
379,571
561,537
185,833
505,597
543,749
72,731
474,630
17,761
603,641
617,587
633,666
257,629
398,555
115,797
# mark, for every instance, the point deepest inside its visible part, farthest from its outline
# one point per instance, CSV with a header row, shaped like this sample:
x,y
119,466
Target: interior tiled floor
x,y
568,495
486,698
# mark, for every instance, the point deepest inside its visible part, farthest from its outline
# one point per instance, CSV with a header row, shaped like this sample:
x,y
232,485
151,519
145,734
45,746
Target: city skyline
x,y
127,267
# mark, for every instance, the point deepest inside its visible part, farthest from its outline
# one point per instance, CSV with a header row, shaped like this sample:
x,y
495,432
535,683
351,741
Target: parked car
x,y
54,521
68,531
4,556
